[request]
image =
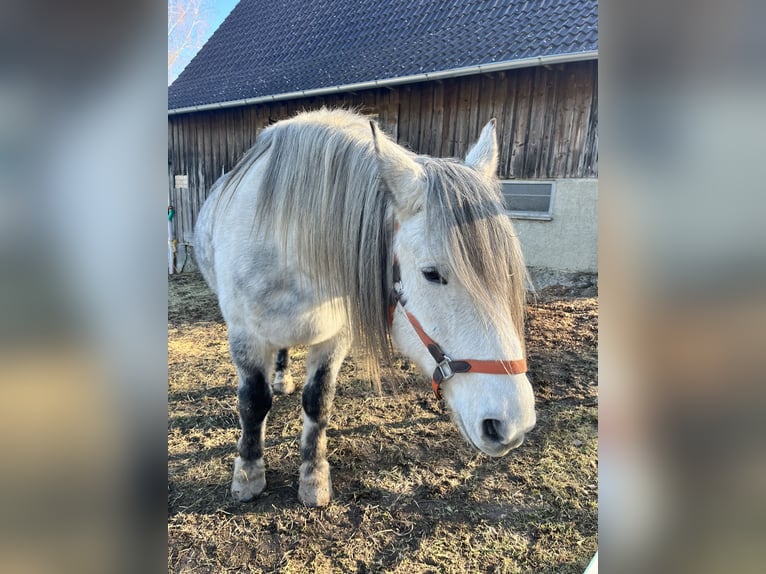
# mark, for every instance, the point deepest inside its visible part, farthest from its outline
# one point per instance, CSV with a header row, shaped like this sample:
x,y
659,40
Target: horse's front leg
x,y
255,399
324,361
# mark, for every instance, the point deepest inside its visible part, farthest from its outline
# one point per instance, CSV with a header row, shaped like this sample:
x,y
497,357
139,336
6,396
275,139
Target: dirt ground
x,y
409,495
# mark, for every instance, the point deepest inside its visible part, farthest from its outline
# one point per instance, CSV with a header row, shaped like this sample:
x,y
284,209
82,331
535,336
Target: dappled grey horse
x,y
328,234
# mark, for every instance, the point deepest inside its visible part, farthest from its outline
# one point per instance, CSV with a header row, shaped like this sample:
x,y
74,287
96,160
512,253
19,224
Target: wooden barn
x,y
433,73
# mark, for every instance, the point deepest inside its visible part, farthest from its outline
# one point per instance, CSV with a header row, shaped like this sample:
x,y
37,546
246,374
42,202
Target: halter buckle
x,y
445,369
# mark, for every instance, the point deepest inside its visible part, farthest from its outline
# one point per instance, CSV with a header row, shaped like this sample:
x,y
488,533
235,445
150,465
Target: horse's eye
x,y
432,275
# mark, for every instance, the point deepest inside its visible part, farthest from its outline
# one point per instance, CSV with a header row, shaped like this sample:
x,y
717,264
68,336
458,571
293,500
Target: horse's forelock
x,y
464,211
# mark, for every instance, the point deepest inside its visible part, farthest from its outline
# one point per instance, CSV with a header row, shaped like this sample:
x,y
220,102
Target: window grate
x,y
528,200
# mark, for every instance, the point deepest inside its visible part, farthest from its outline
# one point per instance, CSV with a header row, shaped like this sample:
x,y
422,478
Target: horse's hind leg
x,y
255,398
323,364
283,381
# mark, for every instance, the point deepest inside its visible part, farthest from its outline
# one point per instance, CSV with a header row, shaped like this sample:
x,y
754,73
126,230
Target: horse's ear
x,y
403,176
483,154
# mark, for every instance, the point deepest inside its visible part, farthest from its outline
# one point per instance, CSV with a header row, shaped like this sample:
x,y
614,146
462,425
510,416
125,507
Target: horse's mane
x,y
323,196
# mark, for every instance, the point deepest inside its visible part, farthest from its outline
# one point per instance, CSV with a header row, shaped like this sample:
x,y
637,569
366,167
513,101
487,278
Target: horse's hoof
x,y
315,489
249,479
283,383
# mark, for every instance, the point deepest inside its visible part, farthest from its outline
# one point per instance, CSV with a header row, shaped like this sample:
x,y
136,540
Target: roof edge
x,y
440,75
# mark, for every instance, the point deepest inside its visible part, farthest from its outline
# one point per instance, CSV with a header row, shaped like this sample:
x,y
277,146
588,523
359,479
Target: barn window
x,y
529,199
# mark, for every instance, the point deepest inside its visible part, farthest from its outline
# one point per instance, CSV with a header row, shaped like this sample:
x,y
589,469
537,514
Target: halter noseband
x,y
445,366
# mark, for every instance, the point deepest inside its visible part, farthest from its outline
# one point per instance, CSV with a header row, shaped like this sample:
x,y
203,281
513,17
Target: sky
x,y
215,12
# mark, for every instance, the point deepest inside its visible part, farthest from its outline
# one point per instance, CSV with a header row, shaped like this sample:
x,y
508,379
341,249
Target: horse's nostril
x,y
493,430
500,433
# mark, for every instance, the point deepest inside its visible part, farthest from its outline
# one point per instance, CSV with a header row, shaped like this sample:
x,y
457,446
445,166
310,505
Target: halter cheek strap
x,y
445,366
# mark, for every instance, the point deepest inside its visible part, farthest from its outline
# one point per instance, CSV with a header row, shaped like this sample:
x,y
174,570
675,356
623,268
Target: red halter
x,y
445,366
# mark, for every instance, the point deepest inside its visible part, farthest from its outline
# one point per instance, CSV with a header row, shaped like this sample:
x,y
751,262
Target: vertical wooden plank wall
x,y
547,120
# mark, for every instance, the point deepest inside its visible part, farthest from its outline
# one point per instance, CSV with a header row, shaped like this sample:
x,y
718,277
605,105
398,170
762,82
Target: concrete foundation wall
x,y
569,242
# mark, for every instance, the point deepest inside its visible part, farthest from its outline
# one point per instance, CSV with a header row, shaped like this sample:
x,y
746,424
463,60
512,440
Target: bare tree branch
x,y
187,21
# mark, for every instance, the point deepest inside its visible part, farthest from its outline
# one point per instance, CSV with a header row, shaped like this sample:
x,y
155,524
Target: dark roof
x,y
271,47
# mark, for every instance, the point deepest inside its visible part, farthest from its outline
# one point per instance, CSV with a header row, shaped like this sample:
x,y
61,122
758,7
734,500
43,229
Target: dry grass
x,y
409,494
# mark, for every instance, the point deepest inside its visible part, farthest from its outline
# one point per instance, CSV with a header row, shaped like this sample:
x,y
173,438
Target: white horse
x,y
328,234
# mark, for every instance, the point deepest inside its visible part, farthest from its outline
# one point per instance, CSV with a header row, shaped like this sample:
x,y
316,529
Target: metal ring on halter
x,y
445,369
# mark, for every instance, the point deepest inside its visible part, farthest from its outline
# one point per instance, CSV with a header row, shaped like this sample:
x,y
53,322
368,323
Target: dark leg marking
x,y
283,382
314,395
283,359
317,403
255,399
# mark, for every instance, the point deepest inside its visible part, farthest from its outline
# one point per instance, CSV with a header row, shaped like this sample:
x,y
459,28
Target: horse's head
x,y
462,285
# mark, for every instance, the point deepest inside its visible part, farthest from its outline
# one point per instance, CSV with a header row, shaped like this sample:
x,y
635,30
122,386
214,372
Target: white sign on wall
x,y
182,182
